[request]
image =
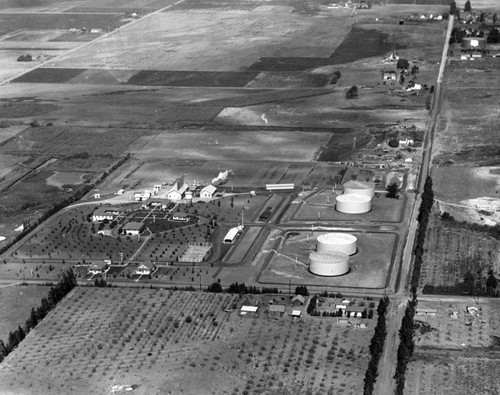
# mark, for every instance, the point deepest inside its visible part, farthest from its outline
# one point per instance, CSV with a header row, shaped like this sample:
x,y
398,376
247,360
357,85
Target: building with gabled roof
x,y
145,268
208,192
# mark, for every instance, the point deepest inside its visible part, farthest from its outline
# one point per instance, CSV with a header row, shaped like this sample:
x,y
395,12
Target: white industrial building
x,y
337,242
360,188
353,203
329,264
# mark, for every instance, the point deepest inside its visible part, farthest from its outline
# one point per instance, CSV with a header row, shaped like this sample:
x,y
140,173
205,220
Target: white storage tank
x,y
360,188
337,242
353,203
330,264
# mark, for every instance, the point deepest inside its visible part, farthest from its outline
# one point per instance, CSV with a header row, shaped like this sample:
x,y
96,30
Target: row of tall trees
x,y
423,221
56,294
406,345
376,347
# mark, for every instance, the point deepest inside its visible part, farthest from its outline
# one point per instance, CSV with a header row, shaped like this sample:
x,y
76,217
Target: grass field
x,y
17,302
80,349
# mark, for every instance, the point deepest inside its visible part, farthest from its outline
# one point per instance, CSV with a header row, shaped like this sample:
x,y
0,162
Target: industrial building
x,y
337,242
353,203
329,264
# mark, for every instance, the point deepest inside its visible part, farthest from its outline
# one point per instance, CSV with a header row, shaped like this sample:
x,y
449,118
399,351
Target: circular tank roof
x,y
337,238
359,185
352,197
330,258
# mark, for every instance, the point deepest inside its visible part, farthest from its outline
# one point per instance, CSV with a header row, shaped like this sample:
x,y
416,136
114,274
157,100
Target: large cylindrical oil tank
x,y
353,203
360,188
330,264
337,242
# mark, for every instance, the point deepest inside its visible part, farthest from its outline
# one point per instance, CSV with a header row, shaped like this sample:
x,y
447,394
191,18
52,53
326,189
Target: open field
x,y
288,260
201,334
17,302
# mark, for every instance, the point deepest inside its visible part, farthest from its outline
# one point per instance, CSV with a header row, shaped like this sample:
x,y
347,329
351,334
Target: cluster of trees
x,y
301,290
237,288
335,77
423,221
352,93
376,347
56,294
311,307
406,345
493,36
393,190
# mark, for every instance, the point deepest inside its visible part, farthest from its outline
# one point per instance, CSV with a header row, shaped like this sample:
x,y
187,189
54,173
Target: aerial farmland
x,y
236,187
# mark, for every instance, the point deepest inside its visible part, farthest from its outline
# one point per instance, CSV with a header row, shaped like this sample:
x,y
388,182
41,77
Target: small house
x,y
99,267
133,228
145,269
390,75
245,309
105,213
208,192
472,310
97,195
355,311
296,313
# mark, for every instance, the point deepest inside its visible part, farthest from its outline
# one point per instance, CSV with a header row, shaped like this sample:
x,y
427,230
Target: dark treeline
x,y
241,288
406,345
56,294
423,221
376,347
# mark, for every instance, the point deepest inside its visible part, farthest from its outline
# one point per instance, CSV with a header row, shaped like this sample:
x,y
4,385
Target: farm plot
x,y
12,22
232,145
288,260
178,41
460,375
452,251
172,336
454,327
70,141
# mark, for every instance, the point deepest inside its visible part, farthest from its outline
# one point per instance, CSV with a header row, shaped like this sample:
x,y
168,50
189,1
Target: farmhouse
x,y
139,197
133,228
390,75
208,192
103,213
355,311
99,267
145,269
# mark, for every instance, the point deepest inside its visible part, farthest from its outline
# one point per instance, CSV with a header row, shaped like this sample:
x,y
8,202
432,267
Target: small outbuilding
x,y
145,269
99,267
277,309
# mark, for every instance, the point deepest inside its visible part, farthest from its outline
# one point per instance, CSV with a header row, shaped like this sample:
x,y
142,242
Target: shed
x,y
248,309
296,313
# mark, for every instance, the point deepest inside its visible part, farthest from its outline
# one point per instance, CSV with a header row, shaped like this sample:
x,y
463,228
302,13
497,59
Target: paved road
x,y
385,384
